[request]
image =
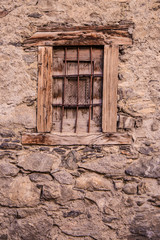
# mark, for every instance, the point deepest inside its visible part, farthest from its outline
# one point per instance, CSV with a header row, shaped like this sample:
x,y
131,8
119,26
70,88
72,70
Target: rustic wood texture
x,y
44,103
118,27
110,81
76,139
80,36
71,92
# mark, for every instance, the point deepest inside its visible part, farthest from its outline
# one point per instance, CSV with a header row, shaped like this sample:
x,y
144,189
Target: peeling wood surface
x,y
81,36
44,104
76,139
110,83
96,28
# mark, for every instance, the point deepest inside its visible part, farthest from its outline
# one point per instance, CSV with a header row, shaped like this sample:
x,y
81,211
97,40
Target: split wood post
x,y
110,81
44,103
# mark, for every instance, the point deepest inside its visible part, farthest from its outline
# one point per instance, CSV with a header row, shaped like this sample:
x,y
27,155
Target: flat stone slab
x,y
38,162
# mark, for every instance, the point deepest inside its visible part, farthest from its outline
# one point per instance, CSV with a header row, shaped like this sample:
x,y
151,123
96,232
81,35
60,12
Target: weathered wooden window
x,y
77,87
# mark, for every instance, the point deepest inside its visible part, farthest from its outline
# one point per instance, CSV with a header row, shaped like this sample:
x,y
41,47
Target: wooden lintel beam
x,y
94,36
75,28
76,139
85,42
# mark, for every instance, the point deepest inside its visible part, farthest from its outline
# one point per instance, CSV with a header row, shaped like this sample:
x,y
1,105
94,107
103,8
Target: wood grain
x,y
44,102
76,139
80,36
69,117
110,81
113,27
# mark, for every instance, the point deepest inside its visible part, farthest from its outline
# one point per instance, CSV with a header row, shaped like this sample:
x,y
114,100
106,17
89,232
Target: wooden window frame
x,y
111,37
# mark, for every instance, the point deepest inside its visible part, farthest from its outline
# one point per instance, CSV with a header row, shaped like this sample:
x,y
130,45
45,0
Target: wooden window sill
x,y
76,139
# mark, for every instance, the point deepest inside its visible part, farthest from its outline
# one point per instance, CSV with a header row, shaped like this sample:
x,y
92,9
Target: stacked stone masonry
x,y
80,192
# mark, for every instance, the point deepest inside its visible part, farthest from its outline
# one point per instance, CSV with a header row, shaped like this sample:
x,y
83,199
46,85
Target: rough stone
x,y
50,190
35,15
56,164
141,188
63,177
3,13
112,165
38,162
68,194
3,154
126,122
59,151
31,227
13,146
99,197
40,177
155,200
18,192
92,228
145,168
130,188
70,162
129,152
145,226
155,126
93,182
118,184
44,149
146,150
7,169
3,236
7,133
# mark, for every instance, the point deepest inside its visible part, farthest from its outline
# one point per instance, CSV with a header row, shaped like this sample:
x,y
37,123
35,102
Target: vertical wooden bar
x,y
44,102
77,91
110,82
64,85
92,90
90,93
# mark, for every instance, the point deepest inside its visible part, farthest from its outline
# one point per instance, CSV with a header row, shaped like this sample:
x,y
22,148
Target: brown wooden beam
x,y
101,35
80,42
76,139
51,28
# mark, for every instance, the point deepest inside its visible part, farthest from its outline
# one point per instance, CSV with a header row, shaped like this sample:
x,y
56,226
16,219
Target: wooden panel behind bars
x,y
44,103
110,81
69,119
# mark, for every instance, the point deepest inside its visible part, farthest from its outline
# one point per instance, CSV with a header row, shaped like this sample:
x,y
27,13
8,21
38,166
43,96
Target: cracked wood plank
x,y
81,36
44,103
50,28
76,139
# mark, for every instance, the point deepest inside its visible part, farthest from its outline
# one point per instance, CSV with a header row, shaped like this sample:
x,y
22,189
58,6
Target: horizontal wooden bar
x,y
77,105
80,42
69,35
76,139
76,75
80,61
117,26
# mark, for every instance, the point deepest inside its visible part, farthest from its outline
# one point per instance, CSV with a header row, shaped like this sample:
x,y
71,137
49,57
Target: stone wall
x,y
85,192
